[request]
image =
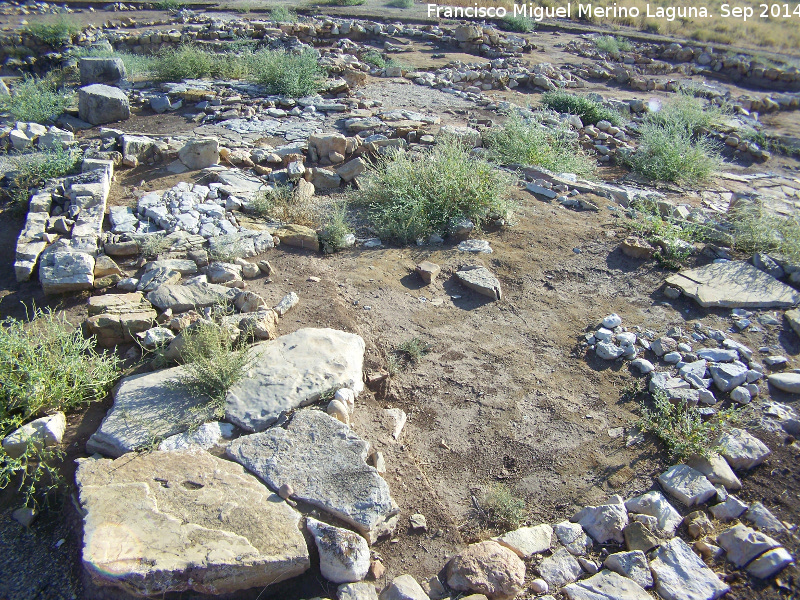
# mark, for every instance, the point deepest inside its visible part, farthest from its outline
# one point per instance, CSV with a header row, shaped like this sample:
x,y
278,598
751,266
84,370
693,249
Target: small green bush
x,y
756,229
280,203
612,45
46,365
412,195
528,142
332,237
501,508
671,153
414,349
33,170
154,244
588,110
688,112
374,58
169,5
215,359
282,14
191,62
400,3
56,34
518,23
38,100
682,429
289,74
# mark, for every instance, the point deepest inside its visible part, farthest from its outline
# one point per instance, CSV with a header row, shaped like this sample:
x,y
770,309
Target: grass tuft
x,y
46,365
757,230
400,3
33,170
412,195
590,111
215,359
280,203
374,58
529,142
282,14
414,349
293,75
333,236
501,508
56,34
688,112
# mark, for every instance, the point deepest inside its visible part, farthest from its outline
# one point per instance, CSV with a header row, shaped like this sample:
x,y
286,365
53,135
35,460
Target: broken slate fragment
x,y
741,449
604,522
527,541
687,485
606,585
481,280
324,462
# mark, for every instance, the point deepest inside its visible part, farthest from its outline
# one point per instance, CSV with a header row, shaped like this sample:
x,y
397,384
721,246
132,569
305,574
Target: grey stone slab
x,y
147,408
325,464
560,569
184,521
681,575
481,280
606,585
181,298
293,371
741,449
686,484
734,284
743,544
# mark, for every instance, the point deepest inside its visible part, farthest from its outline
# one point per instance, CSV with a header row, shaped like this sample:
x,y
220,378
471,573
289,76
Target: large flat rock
x,y
681,575
147,408
734,284
606,585
293,371
325,464
176,521
181,298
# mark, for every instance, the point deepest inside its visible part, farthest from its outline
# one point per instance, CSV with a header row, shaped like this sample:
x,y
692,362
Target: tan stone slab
x,y
735,284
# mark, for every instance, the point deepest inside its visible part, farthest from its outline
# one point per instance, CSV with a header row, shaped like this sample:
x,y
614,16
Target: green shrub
x,y
612,45
414,349
38,100
281,203
518,23
671,153
215,359
192,62
682,429
412,195
400,3
501,508
374,58
46,366
686,111
528,142
347,2
281,14
154,244
756,229
33,170
333,234
289,74
169,5
588,110
56,34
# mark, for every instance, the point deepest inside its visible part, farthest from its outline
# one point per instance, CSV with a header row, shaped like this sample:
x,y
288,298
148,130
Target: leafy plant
x,y
518,23
412,195
755,229
501,508
281,203
612,45
154,244
687,112
55,34
333,236
46,365
682,429
33,170
669,152
590,111
38,100
215,359
530,142
400,3
169,5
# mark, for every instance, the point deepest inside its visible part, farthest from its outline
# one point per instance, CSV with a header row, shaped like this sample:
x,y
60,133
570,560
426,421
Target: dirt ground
x,y
505,394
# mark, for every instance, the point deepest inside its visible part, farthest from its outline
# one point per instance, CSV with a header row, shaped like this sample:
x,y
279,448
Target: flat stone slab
x,y
656,505
734,284
686,484
527,541
325,463
164,522
560,569
481,280
604,522
147,408
786,382
181,298
293,371
681,575
743,544
606,585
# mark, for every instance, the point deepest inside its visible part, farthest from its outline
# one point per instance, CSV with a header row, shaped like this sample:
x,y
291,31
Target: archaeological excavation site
x,y
391,300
